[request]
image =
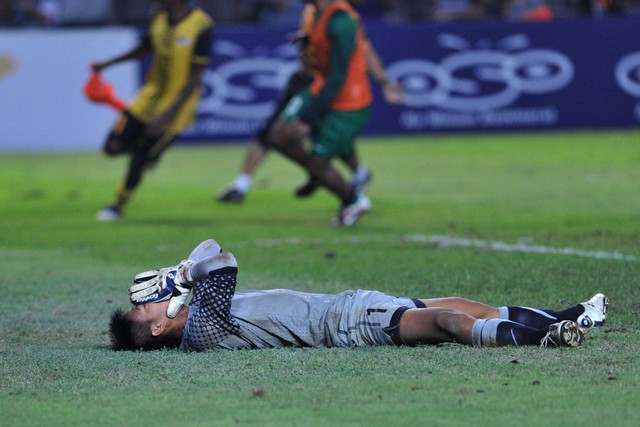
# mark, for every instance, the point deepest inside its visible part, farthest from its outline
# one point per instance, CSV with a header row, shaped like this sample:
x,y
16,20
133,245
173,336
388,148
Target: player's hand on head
x,y
171,283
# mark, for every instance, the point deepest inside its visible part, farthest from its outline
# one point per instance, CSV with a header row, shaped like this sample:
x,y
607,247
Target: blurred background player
x,y
333,110
258,148
458,10
23,13
180,39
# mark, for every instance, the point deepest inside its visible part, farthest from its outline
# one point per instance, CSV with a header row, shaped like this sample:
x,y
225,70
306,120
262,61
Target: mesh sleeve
x,y
212,322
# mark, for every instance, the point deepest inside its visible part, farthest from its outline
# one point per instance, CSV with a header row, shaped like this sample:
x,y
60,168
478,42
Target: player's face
x,y
151,311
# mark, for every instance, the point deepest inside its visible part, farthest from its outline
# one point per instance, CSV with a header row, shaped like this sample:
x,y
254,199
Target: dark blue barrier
x,y
477,76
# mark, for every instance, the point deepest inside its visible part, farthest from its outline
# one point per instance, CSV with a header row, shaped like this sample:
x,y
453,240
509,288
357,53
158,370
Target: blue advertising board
x,y
466,77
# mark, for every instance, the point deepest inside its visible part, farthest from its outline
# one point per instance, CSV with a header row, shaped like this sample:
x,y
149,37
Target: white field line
x,y
518,247
443,242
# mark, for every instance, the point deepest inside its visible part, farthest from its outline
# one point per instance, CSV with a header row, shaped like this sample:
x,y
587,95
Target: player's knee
x,y
444,318
452,323
274,137
113,147
318,166
426,326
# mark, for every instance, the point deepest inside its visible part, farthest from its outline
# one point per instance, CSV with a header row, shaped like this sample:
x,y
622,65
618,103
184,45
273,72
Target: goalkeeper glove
x,y
172,283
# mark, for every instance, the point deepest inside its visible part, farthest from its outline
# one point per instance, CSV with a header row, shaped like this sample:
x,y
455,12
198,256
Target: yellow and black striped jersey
x,y
176,48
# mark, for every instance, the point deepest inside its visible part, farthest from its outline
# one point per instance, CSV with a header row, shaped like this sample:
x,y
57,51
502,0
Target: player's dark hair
x,y
127,334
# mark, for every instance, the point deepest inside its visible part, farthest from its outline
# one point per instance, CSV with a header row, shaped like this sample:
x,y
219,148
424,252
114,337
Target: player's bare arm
x,y
392,91
142,50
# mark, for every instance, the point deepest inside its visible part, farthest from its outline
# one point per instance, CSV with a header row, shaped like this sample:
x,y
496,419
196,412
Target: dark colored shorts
x,y
334,133
132,133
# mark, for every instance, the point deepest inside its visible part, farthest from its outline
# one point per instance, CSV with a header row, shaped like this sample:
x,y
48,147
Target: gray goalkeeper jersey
x,y
220,318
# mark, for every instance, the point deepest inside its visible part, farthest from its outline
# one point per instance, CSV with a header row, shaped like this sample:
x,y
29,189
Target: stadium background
x,y
486,74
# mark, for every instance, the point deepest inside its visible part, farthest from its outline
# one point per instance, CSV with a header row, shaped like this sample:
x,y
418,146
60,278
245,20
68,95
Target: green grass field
x,y
545,220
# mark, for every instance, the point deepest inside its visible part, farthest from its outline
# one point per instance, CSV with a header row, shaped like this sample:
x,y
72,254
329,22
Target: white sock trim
x,y
484,332
243,182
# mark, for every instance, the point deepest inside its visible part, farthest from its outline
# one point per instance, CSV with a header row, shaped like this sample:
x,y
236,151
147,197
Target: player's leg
x,y
328,176
321,168
592,313
361,173
254,156
307,188
290,145
334,136
123,138
256,152
133,177
361,176
588,314
323,171
115,210
143,159
125,131
351,161
474,309
114,146
144,156
258,148
435,325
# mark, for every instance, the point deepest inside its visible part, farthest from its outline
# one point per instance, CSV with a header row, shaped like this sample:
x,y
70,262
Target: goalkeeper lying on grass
x,y
217,317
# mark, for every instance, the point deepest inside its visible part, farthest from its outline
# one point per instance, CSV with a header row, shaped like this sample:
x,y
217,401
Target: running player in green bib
x,y
333,110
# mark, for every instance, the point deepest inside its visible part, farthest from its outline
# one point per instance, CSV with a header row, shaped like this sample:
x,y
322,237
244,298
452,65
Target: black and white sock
x,y
537,318
499,332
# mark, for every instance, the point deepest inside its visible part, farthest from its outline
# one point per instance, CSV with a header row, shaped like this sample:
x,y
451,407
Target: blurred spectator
x,y
458,10
127,12
376,10
50,10
18,13
231,11
413,10
602,8
280,13
87,13
527,10
286,13
630,7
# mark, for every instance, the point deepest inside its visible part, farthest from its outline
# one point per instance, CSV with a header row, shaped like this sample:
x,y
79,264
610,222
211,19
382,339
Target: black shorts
x,y
132,134
298,81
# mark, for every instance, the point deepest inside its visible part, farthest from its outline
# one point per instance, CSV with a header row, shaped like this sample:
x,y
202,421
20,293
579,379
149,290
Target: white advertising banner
x,y
42,73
